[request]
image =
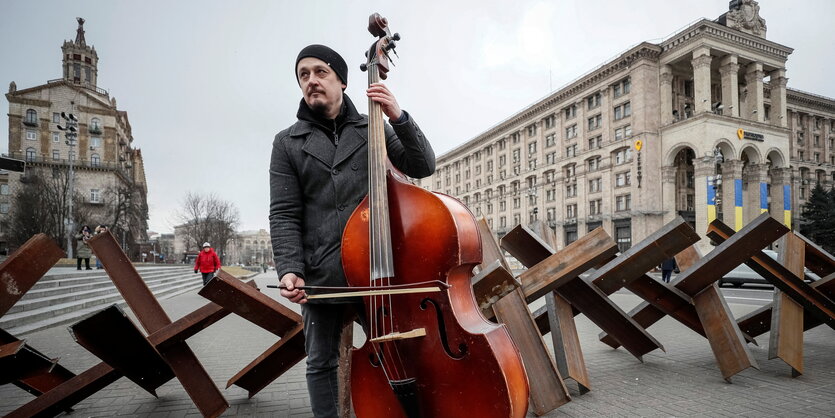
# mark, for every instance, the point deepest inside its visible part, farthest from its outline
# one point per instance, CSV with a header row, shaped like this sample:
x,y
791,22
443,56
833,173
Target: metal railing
x,y
43,159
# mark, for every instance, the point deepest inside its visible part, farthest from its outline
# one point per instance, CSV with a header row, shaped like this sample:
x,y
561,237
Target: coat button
x,y
335,171
354,166
341,206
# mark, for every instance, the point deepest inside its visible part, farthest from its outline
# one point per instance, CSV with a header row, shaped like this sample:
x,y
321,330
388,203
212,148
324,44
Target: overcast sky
x,y
207,84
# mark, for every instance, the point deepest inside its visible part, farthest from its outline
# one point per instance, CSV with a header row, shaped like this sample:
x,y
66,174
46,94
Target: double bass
x,y
427,354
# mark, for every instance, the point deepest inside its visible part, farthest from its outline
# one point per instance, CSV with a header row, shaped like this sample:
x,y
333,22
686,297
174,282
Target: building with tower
x,y
701,125
108,171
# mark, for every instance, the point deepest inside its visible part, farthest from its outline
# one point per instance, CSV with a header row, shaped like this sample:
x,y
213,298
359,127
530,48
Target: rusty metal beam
x,y
197,383
276,360
782,278
749,241
254,306
111,336
68,393
25,267
758,322
663,244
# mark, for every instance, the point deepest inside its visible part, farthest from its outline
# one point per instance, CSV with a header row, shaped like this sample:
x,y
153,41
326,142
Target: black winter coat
x,y
315,187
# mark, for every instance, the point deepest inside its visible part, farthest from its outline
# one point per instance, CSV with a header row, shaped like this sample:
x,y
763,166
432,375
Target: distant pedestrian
x,y
207,263
667,267
100,229
83,251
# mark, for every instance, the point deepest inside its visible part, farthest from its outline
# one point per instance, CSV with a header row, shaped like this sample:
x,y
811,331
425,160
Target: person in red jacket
x,y
207,263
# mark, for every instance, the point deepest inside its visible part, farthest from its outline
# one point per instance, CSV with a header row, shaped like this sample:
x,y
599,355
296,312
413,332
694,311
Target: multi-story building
x,y
109,173
701,125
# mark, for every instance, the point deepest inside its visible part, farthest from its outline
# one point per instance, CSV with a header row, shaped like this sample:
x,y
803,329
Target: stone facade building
x,y
701,125
107,167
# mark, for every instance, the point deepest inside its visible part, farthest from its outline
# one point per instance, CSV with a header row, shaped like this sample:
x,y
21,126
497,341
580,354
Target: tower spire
x,y
79,33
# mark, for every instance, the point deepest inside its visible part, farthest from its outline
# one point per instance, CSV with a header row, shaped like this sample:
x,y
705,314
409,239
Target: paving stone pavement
x,y
683,381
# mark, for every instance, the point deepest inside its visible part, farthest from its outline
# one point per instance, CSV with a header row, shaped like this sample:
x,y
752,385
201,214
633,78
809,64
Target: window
x,y
623,202
532,148
95,125
490,165
516,219
502,222
551,214
571,211
95,142
56,137
595,185
570,234
4,208
56,117
571,151
550,158
550,122
571,190
623,155
502,160
550,176
515,137
595,207
531,130
550,195
595,122
502,205
56,155
517,203
532,164
569,170
95,160
31,135
94,195
4,189
571,111
72,155
31,118
817,157
623,133
571,131
623,111
30,154
596,142
817,140
623,87
800,155
623,235
593,101
550,140
623,179
593,164
76,68
502,144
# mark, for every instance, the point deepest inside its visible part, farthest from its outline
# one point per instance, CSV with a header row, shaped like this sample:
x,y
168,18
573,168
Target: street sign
x,y
12,164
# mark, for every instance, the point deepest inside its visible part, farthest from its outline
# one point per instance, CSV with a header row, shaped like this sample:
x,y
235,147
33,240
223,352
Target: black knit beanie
x,y
328,55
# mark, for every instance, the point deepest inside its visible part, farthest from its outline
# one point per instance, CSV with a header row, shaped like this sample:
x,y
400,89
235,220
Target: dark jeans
x,y
322,332
665,275
207,277
86,263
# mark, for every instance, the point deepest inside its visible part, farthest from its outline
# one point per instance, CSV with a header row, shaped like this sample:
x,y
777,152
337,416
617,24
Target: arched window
x,y
95,125
95,160
30,154
31,117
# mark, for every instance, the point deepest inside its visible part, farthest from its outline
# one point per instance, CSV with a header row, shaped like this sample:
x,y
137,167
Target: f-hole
x,y
462,348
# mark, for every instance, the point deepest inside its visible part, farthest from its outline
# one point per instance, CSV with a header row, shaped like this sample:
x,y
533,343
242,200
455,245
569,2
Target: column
x,y
756,175
669,197
754,97
732,193
729,70
705,198
666,95
701,79
781,195
779,116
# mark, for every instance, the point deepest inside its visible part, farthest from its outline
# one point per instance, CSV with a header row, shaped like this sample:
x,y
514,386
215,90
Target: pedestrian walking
x,y
667,267
207,263
82,250
99,229
318,175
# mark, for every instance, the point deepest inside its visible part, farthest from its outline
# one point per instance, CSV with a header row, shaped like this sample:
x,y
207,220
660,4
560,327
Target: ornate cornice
x,y
803,98
706,28
14,98
643,51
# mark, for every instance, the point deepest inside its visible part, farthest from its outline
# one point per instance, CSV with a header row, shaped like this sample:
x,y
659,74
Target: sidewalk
x,y
684,381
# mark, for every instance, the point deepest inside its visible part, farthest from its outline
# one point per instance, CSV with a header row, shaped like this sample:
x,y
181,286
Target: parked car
x,y
743,274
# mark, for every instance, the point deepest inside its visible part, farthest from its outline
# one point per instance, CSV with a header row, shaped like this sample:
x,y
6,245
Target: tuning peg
x,y
396,36
390,46
363,67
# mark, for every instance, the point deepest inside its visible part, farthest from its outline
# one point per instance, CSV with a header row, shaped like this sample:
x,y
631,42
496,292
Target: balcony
x,y
31,122
95,130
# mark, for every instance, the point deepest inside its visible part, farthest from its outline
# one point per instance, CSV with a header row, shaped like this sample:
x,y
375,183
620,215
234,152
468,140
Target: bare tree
x,y
208,218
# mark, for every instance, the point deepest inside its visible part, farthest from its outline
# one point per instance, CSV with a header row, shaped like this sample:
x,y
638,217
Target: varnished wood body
x,y
434,237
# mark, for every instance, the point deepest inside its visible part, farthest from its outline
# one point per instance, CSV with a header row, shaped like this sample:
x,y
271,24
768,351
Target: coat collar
x,y
319,144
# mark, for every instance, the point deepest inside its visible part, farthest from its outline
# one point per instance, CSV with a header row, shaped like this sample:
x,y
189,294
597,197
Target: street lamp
x,y
71,129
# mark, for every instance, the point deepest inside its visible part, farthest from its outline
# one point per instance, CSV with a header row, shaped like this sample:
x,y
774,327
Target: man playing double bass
x,y
318,176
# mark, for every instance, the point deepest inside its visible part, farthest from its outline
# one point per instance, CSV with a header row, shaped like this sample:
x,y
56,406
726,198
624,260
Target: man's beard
x,y
319,108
